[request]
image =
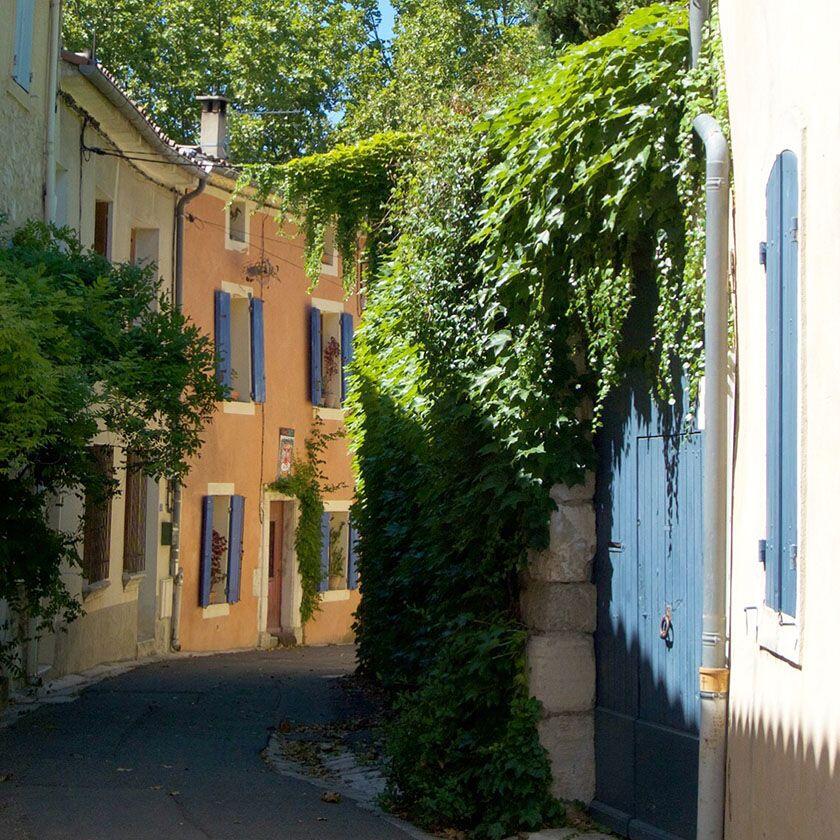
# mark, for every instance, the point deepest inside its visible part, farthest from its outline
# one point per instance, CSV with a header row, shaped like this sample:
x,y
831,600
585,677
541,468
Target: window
x,y
330,353
338,552
134,542
223,520
145,246
240,345
781,259
102,228
237,225
328,257
96,550
24,29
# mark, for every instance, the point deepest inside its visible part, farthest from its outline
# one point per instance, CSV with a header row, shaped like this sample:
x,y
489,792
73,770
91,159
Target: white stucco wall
x,y
783,80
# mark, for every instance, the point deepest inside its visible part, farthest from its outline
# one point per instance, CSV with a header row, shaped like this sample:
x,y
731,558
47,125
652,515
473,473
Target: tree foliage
x,y
575,21
442,52
86,347
267,56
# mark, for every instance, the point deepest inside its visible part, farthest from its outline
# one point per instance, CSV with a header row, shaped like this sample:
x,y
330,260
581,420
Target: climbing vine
x,y
535,255
347,187
307,483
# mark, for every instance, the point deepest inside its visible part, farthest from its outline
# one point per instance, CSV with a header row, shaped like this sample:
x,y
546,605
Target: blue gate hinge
x,y
762,551
762,253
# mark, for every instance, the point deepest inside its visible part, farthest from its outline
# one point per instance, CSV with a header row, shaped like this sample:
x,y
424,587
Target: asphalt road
x,y
172,750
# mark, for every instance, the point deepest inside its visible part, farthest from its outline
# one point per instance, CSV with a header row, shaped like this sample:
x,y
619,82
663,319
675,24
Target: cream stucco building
x,y
783,80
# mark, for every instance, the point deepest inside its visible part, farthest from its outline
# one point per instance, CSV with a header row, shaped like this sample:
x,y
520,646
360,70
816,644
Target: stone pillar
x,y
558,606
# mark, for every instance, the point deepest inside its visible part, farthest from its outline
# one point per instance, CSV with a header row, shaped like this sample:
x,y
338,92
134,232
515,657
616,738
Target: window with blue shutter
x,y
24,31
352,567
222,532
315,383
324,584
346,350
257,351
781,254
236,531
224,372
206,566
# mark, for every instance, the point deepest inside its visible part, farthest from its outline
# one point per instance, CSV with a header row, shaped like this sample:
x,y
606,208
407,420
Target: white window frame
x,y
231,243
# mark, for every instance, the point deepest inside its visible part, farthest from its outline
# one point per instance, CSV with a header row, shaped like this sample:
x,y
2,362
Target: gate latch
x,y
666,625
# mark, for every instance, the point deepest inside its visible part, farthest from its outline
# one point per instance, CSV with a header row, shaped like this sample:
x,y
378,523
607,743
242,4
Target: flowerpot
x,y
337,582
234,395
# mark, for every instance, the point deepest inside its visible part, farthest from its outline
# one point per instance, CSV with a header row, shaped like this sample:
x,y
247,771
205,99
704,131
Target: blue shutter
x,y
346,350
789,461
257,351
237,525
24,30
222,330
352,566
315,355
206,551
782,372
325,552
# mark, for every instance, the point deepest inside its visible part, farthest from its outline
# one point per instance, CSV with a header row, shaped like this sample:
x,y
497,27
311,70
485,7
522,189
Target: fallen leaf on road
x,y
124,769
174,792
5,777
331,796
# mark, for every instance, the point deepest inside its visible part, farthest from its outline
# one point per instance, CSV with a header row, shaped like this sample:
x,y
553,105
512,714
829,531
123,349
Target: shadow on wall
x,y
783,780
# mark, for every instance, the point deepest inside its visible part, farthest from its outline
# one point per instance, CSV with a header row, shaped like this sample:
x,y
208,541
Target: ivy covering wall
x,y
511,248
494,331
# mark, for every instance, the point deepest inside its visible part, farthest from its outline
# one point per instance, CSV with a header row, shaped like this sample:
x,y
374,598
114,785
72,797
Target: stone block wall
x,y
558,606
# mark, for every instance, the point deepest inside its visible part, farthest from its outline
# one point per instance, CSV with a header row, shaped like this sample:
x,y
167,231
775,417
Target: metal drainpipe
x,y
52,111
714,666
175,549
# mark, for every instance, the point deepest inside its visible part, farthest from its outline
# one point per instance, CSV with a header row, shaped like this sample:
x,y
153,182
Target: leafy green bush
x,y
85,347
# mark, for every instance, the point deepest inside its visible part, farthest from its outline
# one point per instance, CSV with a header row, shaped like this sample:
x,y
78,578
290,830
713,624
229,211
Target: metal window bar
x,y
134,541
97,526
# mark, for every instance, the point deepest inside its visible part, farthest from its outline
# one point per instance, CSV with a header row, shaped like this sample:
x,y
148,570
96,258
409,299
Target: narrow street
x,y
172,749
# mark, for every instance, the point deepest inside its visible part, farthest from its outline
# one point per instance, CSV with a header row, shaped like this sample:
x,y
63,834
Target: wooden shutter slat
x,y
323,585
224,372
788,367
352,566
257,351
237,526
206,564
346,350
315,383
24,33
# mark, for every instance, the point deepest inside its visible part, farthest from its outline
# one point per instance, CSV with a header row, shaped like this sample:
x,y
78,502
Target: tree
x,y
442,51
85,347
284,64
575,21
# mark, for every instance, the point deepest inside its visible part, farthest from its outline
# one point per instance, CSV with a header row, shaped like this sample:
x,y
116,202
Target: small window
x,y
145,246
335,550
331,350
328,257
96,550
237,214
102,229
223,522
240,346
24,32
134,543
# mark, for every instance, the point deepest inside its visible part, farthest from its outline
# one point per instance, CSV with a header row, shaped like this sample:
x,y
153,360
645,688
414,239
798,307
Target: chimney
x,y
214,125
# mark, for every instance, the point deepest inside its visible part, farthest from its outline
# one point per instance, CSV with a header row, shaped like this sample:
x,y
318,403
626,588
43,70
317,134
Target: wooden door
x,y
275,555
649,577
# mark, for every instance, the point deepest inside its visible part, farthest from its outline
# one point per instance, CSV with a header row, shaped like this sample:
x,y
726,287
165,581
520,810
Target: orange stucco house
x,y
283,352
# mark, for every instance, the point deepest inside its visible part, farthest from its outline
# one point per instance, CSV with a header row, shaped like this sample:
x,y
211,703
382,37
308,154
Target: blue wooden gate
x,y
648,572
